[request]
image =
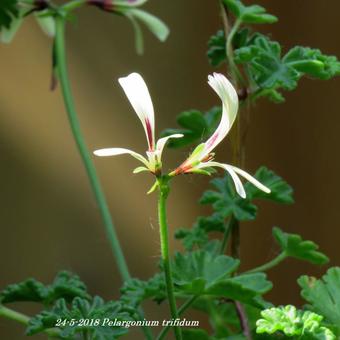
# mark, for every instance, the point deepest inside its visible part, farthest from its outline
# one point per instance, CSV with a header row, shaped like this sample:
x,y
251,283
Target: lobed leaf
x,y
135,291
293,323
253,14
293,245
65,285
323,294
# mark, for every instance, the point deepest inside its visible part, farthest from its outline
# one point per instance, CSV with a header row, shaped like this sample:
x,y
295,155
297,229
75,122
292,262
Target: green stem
x,y
274,262
236,74
77,134
70,6
181,310
23,319
164,237
228,228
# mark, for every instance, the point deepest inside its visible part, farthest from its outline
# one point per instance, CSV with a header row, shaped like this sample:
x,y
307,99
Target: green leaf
x,y
292,322
217,49
323,294
197,236
245,288
82,309
135,291
196,271
196,126
226,202
293,245
271,71
66,285
253,14
8,11
281,191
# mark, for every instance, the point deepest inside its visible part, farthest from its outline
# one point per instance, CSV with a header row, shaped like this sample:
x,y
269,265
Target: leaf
x,y
217,49
253,14
135,291
292,322
8,11
226,202
66,285
323,294
196,271
245,288
281,191
271,71
197,236
293,245
82,309
195,126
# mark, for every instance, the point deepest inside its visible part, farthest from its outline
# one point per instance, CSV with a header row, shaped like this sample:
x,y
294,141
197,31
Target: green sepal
x,y
47,22
293,245
8,12
140,169
153,188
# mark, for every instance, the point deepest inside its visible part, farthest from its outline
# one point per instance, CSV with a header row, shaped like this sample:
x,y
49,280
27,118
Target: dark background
x,y
49,218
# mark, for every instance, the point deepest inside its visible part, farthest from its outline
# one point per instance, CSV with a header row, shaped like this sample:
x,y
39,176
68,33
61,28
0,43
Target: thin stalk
x,y
84,153
164,237
243,320
23,319
181,310
274,262
228,228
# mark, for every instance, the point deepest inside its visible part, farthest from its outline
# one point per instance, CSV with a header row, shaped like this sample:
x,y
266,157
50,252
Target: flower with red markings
x,y
139,97
202,157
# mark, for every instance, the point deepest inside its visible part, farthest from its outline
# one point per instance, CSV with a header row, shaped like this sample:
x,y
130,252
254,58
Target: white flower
x,y
139,97
202,156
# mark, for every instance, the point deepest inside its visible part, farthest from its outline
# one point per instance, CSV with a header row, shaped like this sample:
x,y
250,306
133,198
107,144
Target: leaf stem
x,y
274,262
164,237
228,228
84,153
23,319
243,319
181,310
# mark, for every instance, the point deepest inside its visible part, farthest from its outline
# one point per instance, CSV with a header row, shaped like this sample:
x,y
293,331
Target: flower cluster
x,y
201,159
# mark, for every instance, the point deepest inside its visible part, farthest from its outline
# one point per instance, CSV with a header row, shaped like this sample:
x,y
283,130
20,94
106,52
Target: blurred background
x,y
49,217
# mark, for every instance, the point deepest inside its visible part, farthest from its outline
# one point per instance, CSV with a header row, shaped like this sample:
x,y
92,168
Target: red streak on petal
x,y
149,134
212,140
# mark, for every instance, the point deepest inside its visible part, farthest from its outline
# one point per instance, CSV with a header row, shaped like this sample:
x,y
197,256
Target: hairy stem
x,y
164,237
181,310
84,153
274,262
23,319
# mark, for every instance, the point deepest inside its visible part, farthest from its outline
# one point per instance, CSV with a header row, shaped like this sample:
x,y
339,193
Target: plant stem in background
x,y
228,228
243,320
84,153
23,319
164,237
274,262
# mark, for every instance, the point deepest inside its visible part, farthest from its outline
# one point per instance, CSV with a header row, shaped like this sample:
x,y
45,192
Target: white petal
x,y
139,97
228,95
162,141
238,184
251,179
120,151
